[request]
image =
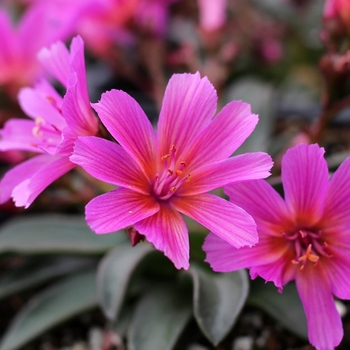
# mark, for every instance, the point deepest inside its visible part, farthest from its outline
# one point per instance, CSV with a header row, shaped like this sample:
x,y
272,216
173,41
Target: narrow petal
x,y
167,231
20,173
337,205
108,162
118,209
305,182
7,47
337,268
262,202
128,124
222,137
56,61
26,192
223,257
226,220
241,168
281,271
189,104
76,108
324,324
18,134
37,105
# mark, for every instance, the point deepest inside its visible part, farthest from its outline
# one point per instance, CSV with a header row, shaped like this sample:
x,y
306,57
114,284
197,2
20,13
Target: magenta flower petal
x,y
76,105
26,192
337,205
18,134
128,124
226,220
76,108
216,142
261,201
337,272
119,209
240,168
280,272
223,257
20,173
168,233
305,182
109,162
36,105
56,61
324,324
7,47
188,106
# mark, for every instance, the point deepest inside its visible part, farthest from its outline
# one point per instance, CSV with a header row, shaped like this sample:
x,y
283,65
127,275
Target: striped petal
x,y
167,231
118,209
305,182
189,104
223,218
241,168
323,321
128,124
108,162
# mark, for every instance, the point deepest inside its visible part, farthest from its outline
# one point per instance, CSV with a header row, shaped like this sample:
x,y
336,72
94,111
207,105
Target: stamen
x,y
165,157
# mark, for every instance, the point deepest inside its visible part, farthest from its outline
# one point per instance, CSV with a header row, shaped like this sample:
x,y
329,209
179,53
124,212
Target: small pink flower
x,y
212,14
161,175
304,237
338,10
56,122
20,44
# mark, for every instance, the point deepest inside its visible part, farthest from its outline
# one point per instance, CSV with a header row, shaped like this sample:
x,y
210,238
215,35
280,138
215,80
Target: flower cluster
x,y
165,174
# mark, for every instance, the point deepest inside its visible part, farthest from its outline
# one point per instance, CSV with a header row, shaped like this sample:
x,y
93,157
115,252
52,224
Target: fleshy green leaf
x,y
117,268
159,319
54,234
285,307
51,307
114,274
218,300
38,270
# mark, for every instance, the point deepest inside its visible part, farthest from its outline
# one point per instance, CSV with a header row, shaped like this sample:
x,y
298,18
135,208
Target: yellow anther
x,y
166,156
173,189
178,172
188,178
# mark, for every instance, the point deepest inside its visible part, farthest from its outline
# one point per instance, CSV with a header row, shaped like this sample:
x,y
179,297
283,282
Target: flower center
x,y
308,246
171,176
48,135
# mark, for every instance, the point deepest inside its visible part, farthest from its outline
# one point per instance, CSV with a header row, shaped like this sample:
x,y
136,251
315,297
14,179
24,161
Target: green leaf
x,y
285,307
54,234
218,300
119,266
159,319
38,270
261,97
51,307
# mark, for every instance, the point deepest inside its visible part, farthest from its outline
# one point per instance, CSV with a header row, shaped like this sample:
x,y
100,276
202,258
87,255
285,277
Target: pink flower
x,y
161,175
338,10
304,237
54,126
212,14
19,46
